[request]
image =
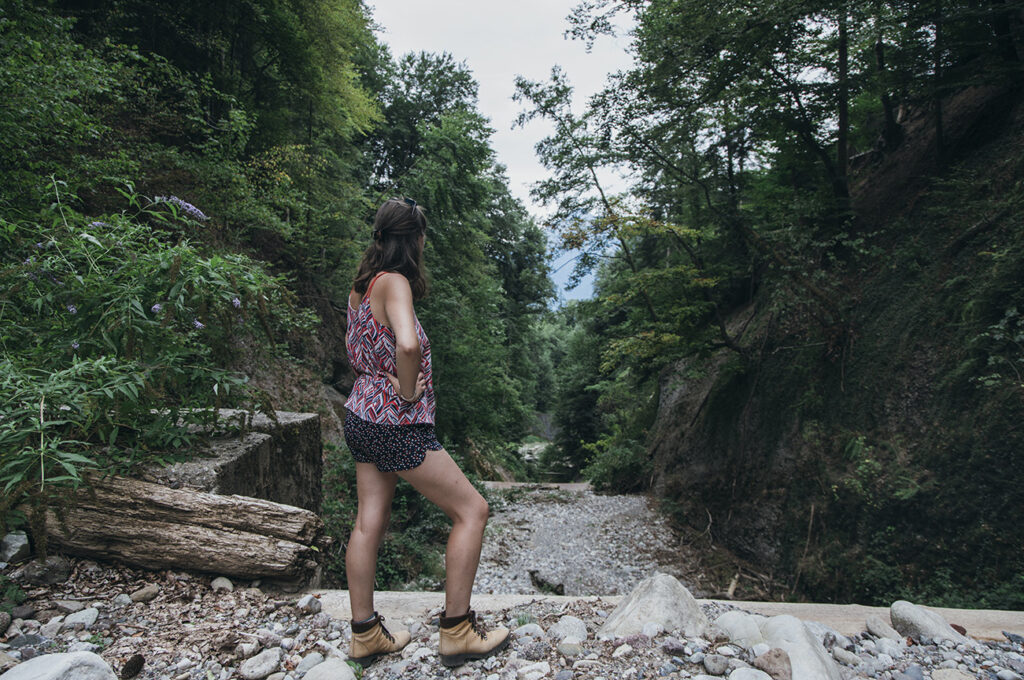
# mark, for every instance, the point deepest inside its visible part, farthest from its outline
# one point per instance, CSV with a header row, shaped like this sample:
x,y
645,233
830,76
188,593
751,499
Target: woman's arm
x,y
399,313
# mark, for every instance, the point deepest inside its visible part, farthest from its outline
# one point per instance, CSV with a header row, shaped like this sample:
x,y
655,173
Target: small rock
x,y
121,600
54,570
716,664
535,650
5,622
132,667
25,640
564,674
69,606
534,671
759,649
621,651
308,661
950,674
726,650
23,611
83,646
845,657
7,661
570,649
52,627
1007,674
146,593
568,626
261,665
309,604
86,617
911,673
14,547
673,645
333,668
222,583
749,674
776,663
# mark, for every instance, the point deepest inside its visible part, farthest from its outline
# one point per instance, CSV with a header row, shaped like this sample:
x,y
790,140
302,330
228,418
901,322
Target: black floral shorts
x,y
390,447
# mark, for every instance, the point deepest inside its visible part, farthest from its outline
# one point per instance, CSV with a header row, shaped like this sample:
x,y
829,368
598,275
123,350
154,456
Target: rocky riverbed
x,y
576,542
179,626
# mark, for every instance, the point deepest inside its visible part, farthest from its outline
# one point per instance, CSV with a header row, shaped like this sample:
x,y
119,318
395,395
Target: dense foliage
x,y
186,184
776,149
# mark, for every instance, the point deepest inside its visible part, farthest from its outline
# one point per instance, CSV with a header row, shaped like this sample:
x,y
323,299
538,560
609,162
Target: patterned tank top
x,y
371,352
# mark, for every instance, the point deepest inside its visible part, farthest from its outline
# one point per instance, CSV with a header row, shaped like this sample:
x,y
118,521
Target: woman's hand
x,y
421,386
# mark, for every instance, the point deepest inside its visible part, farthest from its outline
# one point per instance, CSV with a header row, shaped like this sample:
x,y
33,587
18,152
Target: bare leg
x,y
375,490
443,483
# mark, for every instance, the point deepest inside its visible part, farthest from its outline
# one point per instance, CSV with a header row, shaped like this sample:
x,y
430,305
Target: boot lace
x,y
477,627
384,630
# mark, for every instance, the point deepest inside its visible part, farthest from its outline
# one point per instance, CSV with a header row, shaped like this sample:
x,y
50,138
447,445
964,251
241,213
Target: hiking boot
x,y
463,638
371,640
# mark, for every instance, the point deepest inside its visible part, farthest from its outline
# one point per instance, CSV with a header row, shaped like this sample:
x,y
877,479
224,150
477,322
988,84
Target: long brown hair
x,y
395,248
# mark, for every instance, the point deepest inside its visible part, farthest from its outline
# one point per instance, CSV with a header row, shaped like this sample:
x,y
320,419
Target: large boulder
x,y
808,658
659,599
77,665
922,624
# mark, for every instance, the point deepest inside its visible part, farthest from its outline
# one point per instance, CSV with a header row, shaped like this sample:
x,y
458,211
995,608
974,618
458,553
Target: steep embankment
x,y
883,456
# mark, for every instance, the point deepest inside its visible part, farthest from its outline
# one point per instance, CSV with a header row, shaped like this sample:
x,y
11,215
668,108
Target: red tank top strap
x,y
370,287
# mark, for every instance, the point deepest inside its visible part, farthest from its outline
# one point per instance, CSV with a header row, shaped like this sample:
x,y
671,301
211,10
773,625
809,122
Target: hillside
x,y
881,457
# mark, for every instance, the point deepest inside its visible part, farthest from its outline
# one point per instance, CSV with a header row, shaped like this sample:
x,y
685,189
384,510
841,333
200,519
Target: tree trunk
x,y
156,527
843,138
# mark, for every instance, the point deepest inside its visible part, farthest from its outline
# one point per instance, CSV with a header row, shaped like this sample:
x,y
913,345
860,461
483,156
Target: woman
x,y
389,427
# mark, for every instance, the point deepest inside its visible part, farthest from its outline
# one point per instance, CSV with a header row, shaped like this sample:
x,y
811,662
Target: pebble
x,y
86,617
222,583
309,604
146,593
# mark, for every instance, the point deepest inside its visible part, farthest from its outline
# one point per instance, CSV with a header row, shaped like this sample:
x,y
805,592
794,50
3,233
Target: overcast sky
x,y
498,41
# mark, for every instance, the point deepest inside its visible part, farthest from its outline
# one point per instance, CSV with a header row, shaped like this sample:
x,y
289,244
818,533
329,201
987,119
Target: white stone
x,y
87,617
806,655
222,583
331,669
568,626
621,650
950,674
881,629
739,628
531,629
308,661
260,666
534,671
760,648
14,547
659,598
77,665
749,674
52,627
726,650
309,604
891,647
845,657
921,624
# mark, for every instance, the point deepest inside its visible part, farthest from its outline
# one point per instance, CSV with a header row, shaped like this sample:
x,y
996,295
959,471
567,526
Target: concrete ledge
x,y
280,462
848,619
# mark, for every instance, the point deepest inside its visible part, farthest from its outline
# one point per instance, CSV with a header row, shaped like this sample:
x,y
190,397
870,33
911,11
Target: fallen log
x,y
153,526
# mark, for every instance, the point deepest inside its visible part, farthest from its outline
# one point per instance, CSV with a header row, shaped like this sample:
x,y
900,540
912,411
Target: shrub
x,y
115,330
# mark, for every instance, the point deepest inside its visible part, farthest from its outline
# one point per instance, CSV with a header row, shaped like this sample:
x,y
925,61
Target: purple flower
x,y
73,309
28,260
186,207
237,303
198,324
40,245
97,224
156,308
74,345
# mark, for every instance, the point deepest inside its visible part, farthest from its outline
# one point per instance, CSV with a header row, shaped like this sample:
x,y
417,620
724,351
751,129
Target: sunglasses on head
x,y
409,202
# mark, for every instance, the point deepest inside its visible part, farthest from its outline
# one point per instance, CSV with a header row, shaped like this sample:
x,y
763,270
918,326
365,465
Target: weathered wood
x,y
153,526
